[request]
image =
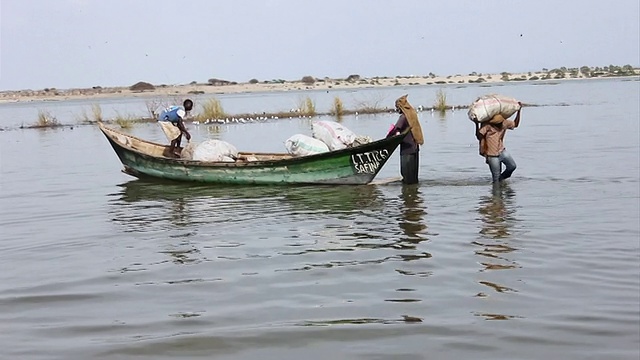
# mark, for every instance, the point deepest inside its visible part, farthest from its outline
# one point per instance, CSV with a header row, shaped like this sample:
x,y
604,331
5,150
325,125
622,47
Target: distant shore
x,y
215,86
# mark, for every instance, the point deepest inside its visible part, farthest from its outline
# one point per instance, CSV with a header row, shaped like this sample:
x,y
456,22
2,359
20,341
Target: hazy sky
x,y
84,43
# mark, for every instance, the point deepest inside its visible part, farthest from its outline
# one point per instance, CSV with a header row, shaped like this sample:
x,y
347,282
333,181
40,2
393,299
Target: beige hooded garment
x,y
412,117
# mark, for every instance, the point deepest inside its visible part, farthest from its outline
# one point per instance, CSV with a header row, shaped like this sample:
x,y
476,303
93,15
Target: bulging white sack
x,y
487,106
210,150
303,145
335,135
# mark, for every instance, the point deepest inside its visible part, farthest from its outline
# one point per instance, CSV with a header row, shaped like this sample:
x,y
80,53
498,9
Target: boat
x,y
353,165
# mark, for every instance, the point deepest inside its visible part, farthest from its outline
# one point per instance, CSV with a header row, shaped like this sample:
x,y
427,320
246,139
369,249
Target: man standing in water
x,y
171,121
410,146
491,138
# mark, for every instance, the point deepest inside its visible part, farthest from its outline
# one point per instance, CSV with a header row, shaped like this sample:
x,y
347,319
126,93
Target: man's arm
x,y
183,129
399,126
517,121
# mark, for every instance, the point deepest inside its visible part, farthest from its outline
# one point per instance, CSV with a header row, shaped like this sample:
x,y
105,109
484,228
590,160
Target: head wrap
x,y
412,117
496,120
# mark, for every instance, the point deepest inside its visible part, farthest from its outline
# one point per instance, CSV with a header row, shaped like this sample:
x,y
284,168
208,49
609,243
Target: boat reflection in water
x,y
144,207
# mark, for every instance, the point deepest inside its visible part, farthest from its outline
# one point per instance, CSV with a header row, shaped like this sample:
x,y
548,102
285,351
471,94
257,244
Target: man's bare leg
x,y
175,149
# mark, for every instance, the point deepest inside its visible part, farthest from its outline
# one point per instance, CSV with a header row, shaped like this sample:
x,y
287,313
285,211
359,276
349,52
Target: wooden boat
x,y
355,165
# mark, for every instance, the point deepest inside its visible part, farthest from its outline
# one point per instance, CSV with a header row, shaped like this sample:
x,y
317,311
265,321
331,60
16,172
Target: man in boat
x,y
410,145
491,137
171,121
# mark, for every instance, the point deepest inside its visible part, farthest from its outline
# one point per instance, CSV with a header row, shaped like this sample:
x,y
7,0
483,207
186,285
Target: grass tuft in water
x,y
212,109
338,107
125,122
83,118
307,107
441,101
97,112
45,119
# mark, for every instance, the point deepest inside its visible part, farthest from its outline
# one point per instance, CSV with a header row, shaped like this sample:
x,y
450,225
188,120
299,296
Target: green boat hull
x,y
357,165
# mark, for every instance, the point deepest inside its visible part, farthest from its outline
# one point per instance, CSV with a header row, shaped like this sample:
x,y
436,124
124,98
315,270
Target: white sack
x,y
333,134
487,106
303,145
187,151
211,150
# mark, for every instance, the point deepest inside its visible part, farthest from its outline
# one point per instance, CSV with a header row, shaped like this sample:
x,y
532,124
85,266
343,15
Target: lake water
x,y
98,265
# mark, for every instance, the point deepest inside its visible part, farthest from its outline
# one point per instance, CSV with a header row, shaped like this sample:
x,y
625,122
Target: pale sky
x,y
84,43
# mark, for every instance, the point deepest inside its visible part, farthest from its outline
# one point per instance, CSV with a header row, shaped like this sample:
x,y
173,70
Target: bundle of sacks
x,y
488,106
210,150
326,136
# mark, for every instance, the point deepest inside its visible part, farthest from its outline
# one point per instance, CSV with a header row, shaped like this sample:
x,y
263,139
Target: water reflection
x,y
413,213
442,120
141,206
497,212
498,216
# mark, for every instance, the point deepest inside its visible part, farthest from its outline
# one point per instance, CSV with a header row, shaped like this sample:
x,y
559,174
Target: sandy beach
x,y
226,87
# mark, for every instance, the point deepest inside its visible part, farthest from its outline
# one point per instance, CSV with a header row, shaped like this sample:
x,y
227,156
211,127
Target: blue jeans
x,y
495,165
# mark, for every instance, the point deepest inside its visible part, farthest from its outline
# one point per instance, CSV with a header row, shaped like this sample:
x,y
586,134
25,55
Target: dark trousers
x,y
409,168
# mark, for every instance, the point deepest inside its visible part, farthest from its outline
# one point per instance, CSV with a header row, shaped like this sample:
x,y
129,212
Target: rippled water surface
x,y
98,265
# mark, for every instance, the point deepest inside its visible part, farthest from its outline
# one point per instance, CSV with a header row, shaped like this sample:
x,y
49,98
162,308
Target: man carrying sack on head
x,y
491,138
410,146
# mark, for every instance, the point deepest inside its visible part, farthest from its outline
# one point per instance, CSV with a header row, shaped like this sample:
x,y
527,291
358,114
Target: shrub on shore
x,y
308,80
219,82
141,86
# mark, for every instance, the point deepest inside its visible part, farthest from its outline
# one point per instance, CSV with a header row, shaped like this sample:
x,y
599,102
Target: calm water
x,y
98,265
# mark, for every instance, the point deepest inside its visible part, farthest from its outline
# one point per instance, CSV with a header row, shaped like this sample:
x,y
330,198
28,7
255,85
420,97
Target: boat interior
x,y
158,150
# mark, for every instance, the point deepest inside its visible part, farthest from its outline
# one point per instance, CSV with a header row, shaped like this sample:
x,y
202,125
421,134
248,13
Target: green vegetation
x,y
125,122
478,80
220,82
338,107
441,101
154,106
307,107
211,109
371,106
45,119
96,115
308,80
141,86
564,72
83,118
97,112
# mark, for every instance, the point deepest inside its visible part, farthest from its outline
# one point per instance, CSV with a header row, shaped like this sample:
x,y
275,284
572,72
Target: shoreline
x,y
353,82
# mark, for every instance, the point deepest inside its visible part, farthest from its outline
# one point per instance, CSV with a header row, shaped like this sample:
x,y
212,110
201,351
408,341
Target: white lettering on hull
x,y
368,162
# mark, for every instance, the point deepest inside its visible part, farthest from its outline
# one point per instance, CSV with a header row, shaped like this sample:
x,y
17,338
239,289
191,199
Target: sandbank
x,y
354,82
